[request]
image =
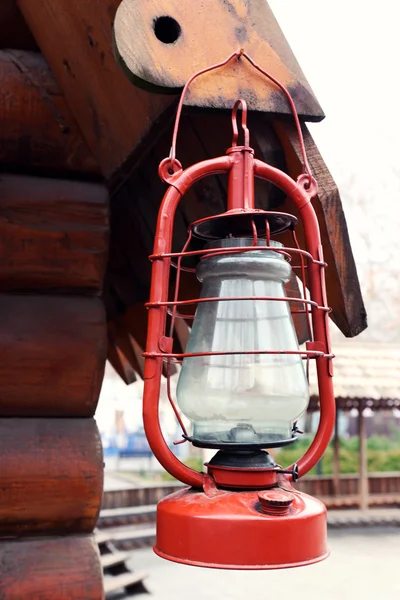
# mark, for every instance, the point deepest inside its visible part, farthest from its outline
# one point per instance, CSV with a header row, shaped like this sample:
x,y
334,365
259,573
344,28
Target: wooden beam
x,y
53,355
343,288
53,235
363,459
123,352
75,37
52,470
14,32
161,44
75,573
37,128
336,457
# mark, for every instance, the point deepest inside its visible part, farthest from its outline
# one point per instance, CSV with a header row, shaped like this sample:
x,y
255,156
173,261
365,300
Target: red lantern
x,y
242,382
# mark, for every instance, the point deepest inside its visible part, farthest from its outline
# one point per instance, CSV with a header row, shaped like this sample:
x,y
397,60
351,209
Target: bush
x,y
193,462
383,455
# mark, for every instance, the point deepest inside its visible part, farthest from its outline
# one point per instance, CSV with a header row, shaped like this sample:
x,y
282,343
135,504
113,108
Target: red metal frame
x,y
241,167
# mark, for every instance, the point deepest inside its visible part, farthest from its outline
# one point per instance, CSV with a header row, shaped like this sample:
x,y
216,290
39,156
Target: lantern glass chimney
x,y
241,398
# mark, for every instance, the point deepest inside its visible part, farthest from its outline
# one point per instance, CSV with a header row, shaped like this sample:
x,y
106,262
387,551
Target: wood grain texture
x,y
14,32
343,288
75,37
53,352
160,44
51,476
53,235
37,128
120,354
67,568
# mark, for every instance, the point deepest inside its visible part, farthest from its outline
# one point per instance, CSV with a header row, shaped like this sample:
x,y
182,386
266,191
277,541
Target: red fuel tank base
x,y
231,530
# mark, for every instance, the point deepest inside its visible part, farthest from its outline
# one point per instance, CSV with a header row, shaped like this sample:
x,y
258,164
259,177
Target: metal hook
x,y
240,103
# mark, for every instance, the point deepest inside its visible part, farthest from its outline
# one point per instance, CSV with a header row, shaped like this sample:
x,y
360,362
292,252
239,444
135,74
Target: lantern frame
x,y
241,167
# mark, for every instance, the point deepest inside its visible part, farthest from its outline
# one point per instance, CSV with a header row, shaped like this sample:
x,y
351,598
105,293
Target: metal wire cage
x,y
241,218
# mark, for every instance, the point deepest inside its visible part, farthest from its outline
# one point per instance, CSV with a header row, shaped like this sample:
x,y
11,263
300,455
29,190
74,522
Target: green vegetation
x,y
383,454
193,462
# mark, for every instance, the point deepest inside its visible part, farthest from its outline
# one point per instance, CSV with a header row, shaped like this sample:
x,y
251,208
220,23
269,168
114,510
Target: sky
x,y
349,51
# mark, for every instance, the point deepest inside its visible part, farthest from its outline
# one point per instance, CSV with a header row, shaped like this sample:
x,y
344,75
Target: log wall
x,y
53,347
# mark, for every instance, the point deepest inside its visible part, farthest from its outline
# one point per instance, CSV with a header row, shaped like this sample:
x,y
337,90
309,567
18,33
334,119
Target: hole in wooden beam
x,y
167,29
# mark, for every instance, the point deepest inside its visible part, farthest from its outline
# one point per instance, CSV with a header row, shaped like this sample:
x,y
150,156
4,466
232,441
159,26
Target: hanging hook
x,y
242,103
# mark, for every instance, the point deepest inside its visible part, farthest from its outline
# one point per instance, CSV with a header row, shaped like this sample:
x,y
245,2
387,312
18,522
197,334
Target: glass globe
x,y
243,399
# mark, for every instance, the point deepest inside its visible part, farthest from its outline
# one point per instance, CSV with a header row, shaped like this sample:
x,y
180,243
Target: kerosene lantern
x,y
243,383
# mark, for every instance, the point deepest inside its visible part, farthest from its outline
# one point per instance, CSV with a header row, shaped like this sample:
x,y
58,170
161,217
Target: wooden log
x,y
53,352
37,128
53,235
343,288
113,115
51,476
14,32
65,568
161,44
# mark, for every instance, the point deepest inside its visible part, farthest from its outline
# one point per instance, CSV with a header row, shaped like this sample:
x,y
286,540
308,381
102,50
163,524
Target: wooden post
x,y
363,468
336,457
53,344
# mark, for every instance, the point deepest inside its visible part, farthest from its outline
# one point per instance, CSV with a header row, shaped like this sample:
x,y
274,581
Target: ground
x,y
364,564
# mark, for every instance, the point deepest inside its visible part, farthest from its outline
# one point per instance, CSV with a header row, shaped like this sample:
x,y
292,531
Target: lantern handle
x,y
300,192
238,54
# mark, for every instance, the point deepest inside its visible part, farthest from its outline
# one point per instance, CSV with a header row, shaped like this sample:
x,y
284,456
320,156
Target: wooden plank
x,y
363,459
53,235
336,457
14,32
111,560
117,357
125,580
127,512
133,533
161,44
75,37
51,476
102,537
53,352
37,128
343,288
66,568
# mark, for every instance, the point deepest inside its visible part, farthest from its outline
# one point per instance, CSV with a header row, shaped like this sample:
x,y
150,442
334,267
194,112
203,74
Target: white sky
x,y
349,51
